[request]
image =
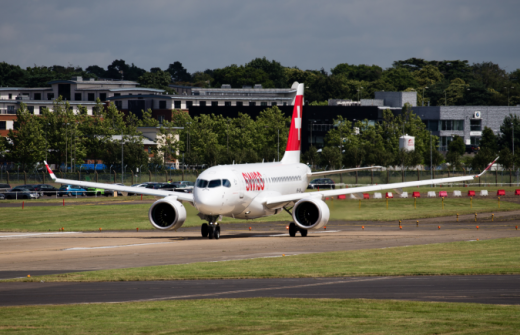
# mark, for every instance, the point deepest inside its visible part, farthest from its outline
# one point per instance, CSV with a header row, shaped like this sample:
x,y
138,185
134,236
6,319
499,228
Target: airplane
x,y
250,191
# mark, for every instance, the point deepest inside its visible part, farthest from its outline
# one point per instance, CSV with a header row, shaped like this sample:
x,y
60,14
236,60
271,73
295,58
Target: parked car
x,y
4,188
111,192
143,185
184,186
322,183
2,196
22,192
71,190
44,189
471,148
95,191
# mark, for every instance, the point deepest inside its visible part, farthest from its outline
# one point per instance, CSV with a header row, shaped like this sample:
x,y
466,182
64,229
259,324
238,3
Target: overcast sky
x,y
204,34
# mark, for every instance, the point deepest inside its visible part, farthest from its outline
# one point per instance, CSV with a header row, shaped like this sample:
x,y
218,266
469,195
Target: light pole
x,y
508,88
122,158
426,87
312,126
513,141
66,145
359,89
431,157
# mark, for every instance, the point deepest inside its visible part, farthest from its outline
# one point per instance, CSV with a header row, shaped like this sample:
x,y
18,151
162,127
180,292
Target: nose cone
x,y
208,201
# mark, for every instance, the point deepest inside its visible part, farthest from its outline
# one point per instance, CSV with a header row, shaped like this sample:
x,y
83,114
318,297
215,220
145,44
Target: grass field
x,y
120,217
263,316
489,257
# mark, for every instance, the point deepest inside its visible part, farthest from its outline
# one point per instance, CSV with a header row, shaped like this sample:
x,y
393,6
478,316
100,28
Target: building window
x,y
189,104
202,104
444,142
252,103
160,118
240,104
475,125
117,94
37,96
3,125
475,141
10,110
227,103
10,96
77,96
214,104
273,103
91,97
162,104
119,105
50,96
263,103
30,109
102,96
41,109
285,103
177,104
149,150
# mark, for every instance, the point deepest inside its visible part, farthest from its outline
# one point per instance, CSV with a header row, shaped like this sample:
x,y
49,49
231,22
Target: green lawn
x,y
120,217
263,316
489,257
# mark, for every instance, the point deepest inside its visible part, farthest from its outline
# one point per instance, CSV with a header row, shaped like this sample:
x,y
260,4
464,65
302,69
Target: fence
x,y
350,179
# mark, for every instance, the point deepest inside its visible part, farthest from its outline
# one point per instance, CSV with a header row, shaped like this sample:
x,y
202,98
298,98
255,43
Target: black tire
x,y
69,194
98,194
216,233
304,232
84,194
292,229
211,231
204,229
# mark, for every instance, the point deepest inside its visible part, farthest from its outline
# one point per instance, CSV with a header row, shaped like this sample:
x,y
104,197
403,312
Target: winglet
x,y
490,165
53,177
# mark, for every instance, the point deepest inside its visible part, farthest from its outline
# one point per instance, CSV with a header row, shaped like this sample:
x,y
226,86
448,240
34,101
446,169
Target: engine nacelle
x,y
167,214
311,213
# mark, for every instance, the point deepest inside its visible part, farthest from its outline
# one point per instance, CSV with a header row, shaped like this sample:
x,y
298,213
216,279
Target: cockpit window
x,y
215,183
201,183
226,183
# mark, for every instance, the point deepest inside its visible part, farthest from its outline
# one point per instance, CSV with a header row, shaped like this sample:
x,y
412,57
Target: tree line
x,y
437,83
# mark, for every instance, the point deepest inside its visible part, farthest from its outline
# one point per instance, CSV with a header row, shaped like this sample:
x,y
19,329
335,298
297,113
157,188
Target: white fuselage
x,y
250,185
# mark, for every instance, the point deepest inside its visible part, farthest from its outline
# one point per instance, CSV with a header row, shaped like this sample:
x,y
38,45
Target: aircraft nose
x,y
208,201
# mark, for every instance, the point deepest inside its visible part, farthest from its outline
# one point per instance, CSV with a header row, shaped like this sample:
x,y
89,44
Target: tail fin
x,y
292,151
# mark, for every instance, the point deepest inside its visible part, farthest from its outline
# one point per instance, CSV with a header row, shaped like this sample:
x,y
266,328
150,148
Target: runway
x,y
466,289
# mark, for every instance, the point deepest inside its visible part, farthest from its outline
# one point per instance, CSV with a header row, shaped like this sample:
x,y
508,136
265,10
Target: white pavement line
x,y
40,234
256,290
115,246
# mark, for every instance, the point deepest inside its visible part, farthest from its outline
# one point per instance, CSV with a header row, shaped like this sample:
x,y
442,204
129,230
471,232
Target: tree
x,y
358,72
456,149
506,159
311,157
159,80
178,73
98,71
489,141
238,76
119,70
331,157
505,139
400,78
274,70
26,143
11,75
427,76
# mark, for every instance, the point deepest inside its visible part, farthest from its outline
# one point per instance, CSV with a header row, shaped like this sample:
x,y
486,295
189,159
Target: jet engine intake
x,y
167,214
311,213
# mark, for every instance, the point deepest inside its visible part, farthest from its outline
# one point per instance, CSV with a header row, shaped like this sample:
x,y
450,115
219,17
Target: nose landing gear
x,y
210,230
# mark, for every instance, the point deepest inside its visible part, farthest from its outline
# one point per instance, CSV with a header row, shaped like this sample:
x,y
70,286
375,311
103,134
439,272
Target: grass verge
x,y
129,217
263,315
491,257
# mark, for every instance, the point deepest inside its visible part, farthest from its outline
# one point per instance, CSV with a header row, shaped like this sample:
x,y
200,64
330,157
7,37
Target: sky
x,y
209,34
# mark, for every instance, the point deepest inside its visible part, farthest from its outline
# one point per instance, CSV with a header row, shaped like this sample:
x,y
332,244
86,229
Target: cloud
x,y
205,34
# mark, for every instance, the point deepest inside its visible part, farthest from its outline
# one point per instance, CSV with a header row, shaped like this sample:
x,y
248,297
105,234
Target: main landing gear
x,y
211,230
293,229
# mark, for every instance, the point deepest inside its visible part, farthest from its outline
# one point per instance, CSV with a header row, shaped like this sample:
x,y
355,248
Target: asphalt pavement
x,y
467,289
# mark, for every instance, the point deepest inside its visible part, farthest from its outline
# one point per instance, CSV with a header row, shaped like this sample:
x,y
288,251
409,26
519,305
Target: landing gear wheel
x,y
204,230
304,232
216,233
292,229
211,231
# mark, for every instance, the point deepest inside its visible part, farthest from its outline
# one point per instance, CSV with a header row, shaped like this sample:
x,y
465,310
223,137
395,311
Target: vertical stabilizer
x,y
292,152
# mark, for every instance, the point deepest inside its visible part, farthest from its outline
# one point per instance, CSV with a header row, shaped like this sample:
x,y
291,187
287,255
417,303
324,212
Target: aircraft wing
x,y
326,173
283,200
137,190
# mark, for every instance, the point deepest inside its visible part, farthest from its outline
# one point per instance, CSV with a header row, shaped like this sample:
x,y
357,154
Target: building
x,y
162,105
76,91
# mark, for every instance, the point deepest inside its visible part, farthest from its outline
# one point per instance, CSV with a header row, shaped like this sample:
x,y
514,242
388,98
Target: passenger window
x,y
215,183
201,183
226,183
